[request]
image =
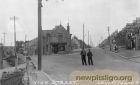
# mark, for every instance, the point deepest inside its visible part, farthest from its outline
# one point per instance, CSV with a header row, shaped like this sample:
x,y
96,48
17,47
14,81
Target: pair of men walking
x,y
89,55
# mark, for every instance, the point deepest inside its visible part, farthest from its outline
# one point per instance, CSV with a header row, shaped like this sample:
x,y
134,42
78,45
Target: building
x,y
129,36
75,43
133,34
56,40
32,46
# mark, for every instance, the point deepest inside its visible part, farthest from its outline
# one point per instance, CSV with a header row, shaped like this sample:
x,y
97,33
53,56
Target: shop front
x,y
57,47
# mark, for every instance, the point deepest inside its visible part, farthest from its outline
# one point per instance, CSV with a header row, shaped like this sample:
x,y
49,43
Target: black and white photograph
x,y
70,42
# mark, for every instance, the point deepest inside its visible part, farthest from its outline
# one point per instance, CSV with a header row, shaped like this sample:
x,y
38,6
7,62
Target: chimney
x,y
68,28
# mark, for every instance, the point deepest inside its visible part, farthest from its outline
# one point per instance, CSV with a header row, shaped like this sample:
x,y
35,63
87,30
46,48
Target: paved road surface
x,y
59,67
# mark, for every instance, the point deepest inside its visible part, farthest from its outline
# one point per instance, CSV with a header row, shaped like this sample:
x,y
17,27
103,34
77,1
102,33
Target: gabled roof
x,y
59,27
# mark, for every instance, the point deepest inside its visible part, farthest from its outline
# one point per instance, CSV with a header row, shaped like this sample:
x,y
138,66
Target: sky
x,y
96,15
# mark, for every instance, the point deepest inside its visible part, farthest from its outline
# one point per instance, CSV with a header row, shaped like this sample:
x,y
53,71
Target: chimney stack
x,y
68,28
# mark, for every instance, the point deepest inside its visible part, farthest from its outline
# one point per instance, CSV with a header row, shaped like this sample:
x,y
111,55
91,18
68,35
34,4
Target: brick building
x,y
56,40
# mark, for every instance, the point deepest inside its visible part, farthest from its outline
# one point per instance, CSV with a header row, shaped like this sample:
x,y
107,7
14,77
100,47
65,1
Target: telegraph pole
x,y
1,40
25,42
83,36
16,63
88,39
2,50
39,36
14,18
109,37
4,38
1,55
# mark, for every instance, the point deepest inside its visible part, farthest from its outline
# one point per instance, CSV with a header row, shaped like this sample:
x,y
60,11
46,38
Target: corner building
x,y
57,40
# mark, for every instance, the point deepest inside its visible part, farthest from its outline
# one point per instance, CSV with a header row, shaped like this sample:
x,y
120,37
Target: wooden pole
x,y
39,36
83,37
88,39
16,61
109,37
1,55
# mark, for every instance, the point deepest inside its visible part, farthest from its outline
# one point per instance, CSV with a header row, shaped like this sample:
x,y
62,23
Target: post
x,y
4,38
83,36
4,44
25,41
16,62
88,39
25,49
1,55
39,36
109,37
1,41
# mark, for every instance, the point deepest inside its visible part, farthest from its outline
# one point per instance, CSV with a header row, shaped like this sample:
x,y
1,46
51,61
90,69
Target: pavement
x,y
131,55
36,77
126,52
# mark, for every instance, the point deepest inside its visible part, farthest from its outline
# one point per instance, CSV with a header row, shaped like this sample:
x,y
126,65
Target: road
x,y
59,67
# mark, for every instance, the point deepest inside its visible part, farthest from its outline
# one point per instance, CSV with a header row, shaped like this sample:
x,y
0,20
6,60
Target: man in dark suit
x,y
89,54
83,57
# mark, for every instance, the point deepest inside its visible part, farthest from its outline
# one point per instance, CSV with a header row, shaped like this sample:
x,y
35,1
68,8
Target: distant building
x,y
129,36
133,34
20,46
32,46
56,40
75,43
